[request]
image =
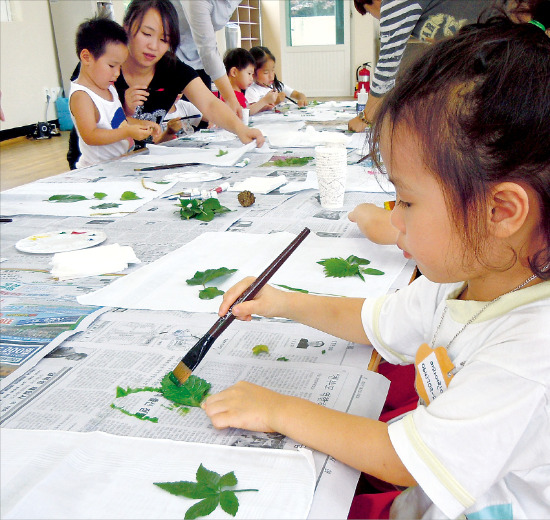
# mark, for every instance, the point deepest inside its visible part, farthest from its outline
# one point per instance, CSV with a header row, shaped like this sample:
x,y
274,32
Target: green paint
x,y
190,393
140,416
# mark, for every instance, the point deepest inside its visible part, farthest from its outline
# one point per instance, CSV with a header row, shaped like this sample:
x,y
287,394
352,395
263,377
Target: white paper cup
x,y
246,115
330,166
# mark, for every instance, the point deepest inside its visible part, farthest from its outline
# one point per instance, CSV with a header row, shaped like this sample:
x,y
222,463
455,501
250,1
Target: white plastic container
x,y
362,97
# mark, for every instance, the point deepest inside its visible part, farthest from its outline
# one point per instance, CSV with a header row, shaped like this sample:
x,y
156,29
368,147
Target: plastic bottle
x,y
361,100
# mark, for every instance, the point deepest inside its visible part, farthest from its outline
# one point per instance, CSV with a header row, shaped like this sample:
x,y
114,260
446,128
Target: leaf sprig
x,y
338,267
209,488
204,210
202,277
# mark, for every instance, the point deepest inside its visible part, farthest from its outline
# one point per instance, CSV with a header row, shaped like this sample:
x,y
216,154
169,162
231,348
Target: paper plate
x,y
59,241
193,176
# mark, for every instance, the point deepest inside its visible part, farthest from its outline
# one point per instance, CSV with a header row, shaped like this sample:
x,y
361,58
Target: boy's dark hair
x,y
96,33
360,6
168,14
239,58
261,55
479,106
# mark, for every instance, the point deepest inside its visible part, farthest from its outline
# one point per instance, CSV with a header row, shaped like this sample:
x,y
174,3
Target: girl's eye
x,y
146,34
403,204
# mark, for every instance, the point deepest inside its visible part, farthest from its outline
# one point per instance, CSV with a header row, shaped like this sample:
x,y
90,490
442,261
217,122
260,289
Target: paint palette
x,y
60,241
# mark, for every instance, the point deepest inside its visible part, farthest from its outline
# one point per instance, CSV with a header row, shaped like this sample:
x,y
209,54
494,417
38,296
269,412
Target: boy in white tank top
x,y
104,132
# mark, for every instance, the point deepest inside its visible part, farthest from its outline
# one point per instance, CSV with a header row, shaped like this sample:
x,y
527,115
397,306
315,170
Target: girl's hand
x,y
375,223
244,405
270,98
301,99
356,125
269,302
280,97
173,126
133,98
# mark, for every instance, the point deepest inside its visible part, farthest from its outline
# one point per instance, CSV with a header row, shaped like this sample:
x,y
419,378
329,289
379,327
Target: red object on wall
x,y
362,76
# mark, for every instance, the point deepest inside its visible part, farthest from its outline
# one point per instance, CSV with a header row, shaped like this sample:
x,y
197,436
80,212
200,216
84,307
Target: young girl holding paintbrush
x,y
265,81
470,160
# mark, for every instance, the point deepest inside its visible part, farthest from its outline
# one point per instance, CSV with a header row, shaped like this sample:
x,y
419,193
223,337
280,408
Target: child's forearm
x,y
340,317
357,441
103,136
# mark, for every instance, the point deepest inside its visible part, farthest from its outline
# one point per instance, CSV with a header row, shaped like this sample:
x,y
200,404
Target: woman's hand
x,y
243,405
134,97
269,302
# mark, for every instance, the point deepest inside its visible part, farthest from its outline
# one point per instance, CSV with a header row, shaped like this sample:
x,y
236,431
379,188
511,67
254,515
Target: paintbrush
x,y
165,167
275,90
191,360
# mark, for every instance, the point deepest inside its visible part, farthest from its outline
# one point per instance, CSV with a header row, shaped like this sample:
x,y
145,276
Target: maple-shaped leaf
x,y
203,277
202,508
339,268
229,502
208,478
190,393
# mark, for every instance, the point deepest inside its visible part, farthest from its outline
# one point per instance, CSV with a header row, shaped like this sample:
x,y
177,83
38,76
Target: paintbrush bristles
x,y
181,373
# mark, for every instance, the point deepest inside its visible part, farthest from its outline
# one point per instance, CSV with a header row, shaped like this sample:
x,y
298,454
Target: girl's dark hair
x,y
135,12
479,105
96,33
239,58
360,6
261,55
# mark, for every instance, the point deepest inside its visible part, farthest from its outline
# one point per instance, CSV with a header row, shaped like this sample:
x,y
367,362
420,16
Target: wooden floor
x,y
25,160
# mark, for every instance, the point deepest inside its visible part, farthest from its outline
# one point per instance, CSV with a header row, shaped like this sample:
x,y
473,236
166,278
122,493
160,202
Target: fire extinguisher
x,y
362,75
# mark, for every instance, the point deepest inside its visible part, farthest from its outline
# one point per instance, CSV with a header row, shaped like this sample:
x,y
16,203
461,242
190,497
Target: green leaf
x,y
162,182
201,210
375,272
339,268
221,153
228,480
67,198
202,277
259,349
191,393
352,259
293,161
106,205
205,215
129,195
208,477
187,489
282,358
229,502
202,508
99,195
292,288
209,293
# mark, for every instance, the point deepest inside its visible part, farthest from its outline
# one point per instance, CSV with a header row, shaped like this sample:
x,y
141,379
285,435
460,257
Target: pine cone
x,y
246,198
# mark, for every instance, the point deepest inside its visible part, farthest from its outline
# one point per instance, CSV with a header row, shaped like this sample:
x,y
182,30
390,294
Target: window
x,y
314,22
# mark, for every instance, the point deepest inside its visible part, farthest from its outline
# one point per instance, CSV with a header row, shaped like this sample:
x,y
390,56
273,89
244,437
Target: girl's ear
x,y
508,209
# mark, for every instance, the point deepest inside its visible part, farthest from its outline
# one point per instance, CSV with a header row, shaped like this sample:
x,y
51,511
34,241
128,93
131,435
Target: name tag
x,y
433,372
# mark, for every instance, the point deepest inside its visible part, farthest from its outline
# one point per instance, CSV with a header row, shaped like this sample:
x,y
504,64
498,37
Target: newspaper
x,y
75,391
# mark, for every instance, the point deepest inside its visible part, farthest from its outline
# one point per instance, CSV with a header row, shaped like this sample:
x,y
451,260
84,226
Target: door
x,y
315,47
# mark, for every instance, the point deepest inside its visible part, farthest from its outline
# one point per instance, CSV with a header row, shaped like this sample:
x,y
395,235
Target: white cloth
x,y
256,92
198,22
58,474
482,448
91,262
185,109
111,116
260,185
